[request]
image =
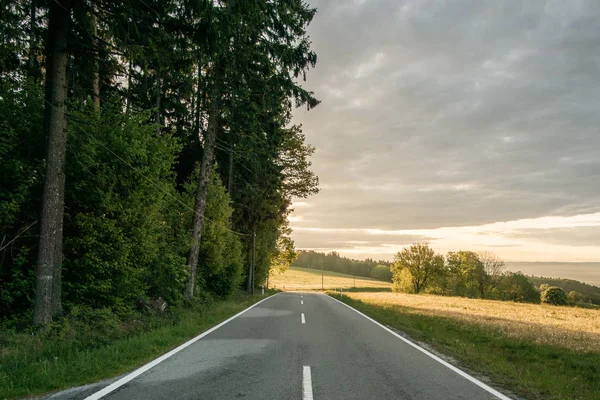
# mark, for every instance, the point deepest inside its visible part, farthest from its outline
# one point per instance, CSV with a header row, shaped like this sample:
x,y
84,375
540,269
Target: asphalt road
x,y
294,346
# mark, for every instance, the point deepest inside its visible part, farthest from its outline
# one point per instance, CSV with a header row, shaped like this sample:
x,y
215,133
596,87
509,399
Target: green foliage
x,y
336,263
91,344
382,272
576,298
226,283
466,274
285,255
403,281
220,264
555,296
119,192
422,263
517,287
130,169
21,178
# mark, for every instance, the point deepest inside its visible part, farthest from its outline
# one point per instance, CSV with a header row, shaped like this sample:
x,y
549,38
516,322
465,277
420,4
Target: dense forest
x,y
334,262
147,149
579,291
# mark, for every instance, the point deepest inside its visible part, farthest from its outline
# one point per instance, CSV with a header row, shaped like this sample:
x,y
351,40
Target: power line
x,y
233,155
250,185
20,233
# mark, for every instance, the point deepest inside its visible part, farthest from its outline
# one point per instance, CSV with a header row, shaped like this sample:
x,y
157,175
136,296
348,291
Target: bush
x,y
575,297
403,281
555,296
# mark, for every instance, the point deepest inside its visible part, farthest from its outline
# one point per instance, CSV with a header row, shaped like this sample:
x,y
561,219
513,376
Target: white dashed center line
x,y
303,320
301,301
306,383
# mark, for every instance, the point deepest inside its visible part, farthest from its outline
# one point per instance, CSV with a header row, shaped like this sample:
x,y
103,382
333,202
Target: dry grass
x,y
297,278
572,328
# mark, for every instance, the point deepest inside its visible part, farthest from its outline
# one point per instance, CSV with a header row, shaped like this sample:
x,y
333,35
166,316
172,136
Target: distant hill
x,y
590,291
588,272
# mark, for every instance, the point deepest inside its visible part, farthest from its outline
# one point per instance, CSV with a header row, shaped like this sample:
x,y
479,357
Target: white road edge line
x,y
306,384
303,320
436,358
115,385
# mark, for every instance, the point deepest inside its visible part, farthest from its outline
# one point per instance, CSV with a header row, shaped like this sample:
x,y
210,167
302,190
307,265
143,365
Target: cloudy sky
x,y
469,124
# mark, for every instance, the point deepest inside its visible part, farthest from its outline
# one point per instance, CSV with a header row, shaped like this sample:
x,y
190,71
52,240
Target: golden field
x,y
296,278
568,327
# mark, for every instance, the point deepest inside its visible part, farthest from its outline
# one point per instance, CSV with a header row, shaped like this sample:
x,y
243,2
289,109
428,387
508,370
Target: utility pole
x,y
253,258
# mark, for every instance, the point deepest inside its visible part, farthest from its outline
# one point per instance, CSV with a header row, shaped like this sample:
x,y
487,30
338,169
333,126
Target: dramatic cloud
x,y
454,114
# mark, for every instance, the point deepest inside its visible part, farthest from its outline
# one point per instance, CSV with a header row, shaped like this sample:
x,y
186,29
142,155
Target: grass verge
x,y
529,369
65,356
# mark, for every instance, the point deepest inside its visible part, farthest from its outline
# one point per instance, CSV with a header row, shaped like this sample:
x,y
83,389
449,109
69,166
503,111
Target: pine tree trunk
x,y
48,274
198,106
158,101
190,118
31,70
95,66
129,89
201,194
230,172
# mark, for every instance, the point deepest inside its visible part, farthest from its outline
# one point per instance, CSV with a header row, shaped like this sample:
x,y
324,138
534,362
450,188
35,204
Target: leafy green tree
x,y
555,296
422,263
285,256
466,273
517,287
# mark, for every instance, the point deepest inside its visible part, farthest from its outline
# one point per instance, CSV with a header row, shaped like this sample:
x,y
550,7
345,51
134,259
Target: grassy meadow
x,y
571,328
296,278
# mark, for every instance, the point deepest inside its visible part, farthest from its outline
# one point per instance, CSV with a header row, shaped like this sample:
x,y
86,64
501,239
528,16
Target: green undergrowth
x,y
91,345
529,369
